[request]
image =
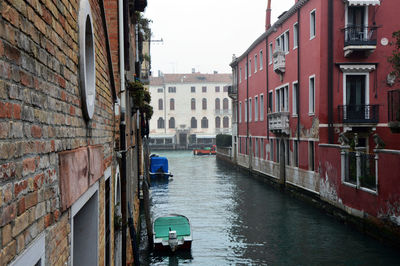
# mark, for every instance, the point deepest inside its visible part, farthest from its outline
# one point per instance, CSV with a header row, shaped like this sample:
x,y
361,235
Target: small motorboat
x,y
159,167
172,232
205,151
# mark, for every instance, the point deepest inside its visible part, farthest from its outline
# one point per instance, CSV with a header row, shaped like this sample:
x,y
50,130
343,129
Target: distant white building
x,y
189,109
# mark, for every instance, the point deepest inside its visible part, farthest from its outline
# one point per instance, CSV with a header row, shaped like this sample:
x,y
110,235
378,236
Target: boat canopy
x,y
158,164
163,225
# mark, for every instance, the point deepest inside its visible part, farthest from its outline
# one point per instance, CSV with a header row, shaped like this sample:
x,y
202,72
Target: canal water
x,y
239,220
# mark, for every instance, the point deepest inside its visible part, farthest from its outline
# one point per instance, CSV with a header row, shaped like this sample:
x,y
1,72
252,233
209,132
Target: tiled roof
x,y
191,78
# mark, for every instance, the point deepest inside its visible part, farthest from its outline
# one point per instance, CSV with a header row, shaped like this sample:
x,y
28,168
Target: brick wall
x,y
41,115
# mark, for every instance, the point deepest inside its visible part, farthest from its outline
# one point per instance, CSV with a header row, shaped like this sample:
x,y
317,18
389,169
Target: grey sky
x,y
204,34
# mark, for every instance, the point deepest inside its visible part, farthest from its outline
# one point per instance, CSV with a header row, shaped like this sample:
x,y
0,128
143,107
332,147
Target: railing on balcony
x,y
394,110
360,35
232,91
358,114
279,122
279,61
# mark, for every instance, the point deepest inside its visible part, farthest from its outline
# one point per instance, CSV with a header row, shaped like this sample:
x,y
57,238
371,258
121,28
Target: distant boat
x,y
205,151
172,232
159,167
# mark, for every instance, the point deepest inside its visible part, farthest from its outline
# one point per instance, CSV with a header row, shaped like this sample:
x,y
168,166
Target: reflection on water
x,y
238,220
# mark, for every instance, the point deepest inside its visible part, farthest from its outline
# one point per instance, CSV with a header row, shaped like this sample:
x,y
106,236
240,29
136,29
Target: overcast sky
x,y
204,34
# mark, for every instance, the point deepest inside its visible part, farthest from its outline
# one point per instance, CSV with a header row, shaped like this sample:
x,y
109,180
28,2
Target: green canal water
x,y
239,220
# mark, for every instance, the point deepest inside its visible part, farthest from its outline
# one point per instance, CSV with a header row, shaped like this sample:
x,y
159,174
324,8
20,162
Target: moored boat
x,y
205,151
172,232
159,167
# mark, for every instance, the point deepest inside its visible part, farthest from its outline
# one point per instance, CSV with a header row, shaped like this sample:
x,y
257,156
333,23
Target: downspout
x,y
247,105
267,87
330,72
122,128
298,78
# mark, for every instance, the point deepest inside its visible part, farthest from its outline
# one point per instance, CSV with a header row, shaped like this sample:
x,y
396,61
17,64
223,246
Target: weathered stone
x,y
6,235
16,130
40,210
27,113
8,214
20,224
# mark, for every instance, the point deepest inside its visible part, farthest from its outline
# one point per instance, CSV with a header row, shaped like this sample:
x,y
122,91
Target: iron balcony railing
x,y
358,114
394,106
360,35
232,91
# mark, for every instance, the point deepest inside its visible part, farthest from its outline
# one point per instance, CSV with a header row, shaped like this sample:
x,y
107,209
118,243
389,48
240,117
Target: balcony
x,y
222,111
359,39
279,122
362,115
279,61
233,91
394,110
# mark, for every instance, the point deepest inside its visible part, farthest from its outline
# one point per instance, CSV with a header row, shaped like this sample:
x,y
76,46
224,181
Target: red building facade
x,y
317,108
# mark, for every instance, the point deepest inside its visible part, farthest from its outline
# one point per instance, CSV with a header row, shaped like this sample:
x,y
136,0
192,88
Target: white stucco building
x,y
189,109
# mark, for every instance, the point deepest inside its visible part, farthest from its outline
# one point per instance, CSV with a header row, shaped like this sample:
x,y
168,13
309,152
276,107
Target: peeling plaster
x,y
391,211
328,190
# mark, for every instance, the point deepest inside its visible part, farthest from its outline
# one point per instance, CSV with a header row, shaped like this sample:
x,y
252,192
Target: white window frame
x,y
294,98
295,35
250,110
311,100
33,253
240,75
249,66
245,110
261,107
284,105
261,59
245,71
313,23
240,112
270,53
366,74
255,63
256,108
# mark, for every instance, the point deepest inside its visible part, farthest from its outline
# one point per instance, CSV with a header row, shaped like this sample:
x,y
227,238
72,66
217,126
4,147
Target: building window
x,y
261,107
204,89
160,123
225,122
35,254
287,152
217,122
262,148
249,67
245,71
240,75
311,99
278,150
193,122
216,88
270,53
311,159
271,152
107,222
296,153
160,90
225,104
250,110
282,99
171,104
295,35
217,104
225,88
160,104
245,110
312,24
261,60
256,148
193,104
171,123
255,108
294,98
255,63
204,122
286,42
240,112
270,102
172,89
193,89
204,104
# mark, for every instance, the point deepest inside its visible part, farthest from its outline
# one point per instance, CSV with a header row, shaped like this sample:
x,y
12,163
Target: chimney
x,y
193,70
268,16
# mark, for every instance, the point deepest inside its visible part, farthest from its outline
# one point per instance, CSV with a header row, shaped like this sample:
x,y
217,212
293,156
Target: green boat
x,y
172,232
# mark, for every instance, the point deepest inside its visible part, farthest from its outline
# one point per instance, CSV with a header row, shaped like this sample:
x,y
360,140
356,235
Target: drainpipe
x,y
122,128
247,105
267,87
298,78
330,71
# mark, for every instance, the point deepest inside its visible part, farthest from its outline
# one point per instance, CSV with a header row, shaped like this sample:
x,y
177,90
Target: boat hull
x,y
203,152
187,245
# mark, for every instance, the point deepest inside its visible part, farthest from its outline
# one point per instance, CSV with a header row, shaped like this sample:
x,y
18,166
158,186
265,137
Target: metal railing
x,y
358,113
360,35
394,106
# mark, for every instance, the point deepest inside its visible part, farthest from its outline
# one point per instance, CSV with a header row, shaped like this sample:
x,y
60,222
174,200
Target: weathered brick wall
x,y
41,115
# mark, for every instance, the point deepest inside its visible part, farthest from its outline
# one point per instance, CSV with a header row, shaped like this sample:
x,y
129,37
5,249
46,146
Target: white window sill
x,y
312,37
311,114
294,115
294,48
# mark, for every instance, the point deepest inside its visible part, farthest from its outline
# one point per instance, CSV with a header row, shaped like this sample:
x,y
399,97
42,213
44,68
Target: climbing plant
x,y
394,59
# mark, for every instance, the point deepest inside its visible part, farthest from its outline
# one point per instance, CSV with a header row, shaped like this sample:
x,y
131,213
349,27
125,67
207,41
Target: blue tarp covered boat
x,y
159,167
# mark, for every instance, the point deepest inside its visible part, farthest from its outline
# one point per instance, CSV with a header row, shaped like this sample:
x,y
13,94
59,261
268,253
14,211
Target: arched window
x,y
193,123
160,104
204,122
172,104
217,122
225,104
225,122
204,104
217,104
193,104
171,122
160,123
